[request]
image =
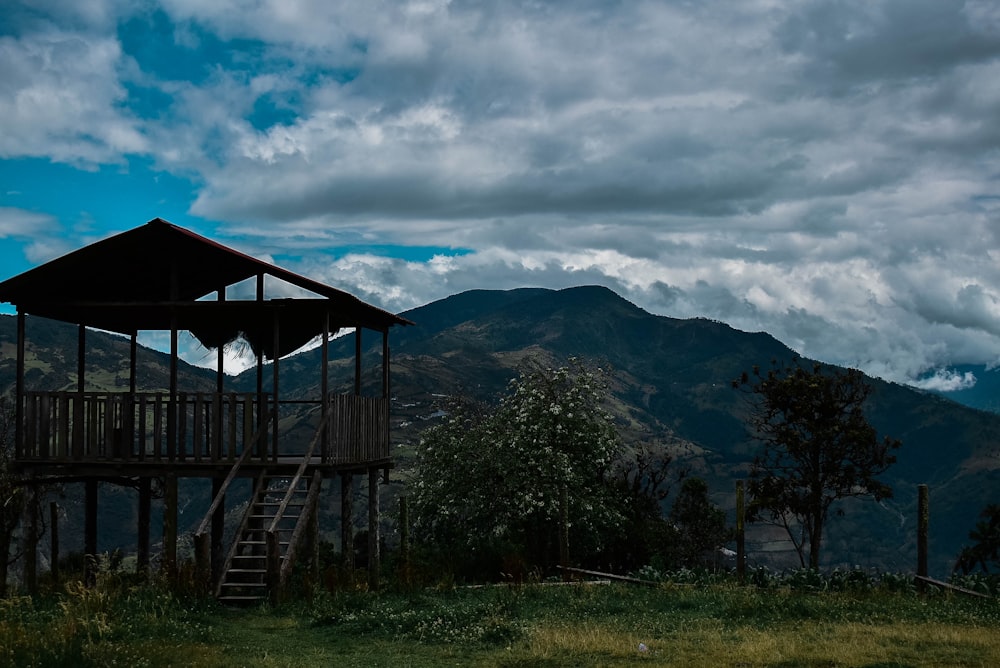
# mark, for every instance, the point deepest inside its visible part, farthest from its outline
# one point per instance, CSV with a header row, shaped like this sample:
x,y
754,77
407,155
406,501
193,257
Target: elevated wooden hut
x,y
161,277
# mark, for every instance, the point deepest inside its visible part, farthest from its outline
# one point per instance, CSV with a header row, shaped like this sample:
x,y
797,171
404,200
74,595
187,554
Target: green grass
x,y
584,625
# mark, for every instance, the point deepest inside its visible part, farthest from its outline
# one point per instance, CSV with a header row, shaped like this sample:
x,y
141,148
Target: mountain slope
x,y
672,383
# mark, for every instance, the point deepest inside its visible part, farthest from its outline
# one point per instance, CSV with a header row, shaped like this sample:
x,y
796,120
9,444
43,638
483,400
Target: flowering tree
x,y
496,479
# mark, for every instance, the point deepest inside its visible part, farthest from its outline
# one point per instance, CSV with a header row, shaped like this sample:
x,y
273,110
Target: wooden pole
x,y
741,552
357,361
19,390
324,387
347,520
54,541
91,563
81,358
218,530
142,531
30,536
277,355
923,523
169,560
374,558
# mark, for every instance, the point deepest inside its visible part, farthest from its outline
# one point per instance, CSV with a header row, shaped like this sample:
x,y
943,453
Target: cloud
x,y
947,380
59,97
824,171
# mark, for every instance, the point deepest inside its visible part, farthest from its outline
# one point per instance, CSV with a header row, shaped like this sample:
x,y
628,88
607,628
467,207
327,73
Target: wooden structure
x,y
162,277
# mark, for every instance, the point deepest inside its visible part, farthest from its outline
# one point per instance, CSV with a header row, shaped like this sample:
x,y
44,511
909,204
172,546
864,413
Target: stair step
x,y
246,570
240,600
251,585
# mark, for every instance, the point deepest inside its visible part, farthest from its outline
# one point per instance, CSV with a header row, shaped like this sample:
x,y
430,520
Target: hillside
x,y
671,384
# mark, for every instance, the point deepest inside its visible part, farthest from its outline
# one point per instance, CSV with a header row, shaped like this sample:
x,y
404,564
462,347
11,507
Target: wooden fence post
x,y
741,553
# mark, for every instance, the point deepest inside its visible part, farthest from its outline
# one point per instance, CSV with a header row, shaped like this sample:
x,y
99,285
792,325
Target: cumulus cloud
x,y
824,171
947,380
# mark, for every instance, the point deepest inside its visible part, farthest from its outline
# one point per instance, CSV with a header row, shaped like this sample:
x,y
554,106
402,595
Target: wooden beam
x,y
950,587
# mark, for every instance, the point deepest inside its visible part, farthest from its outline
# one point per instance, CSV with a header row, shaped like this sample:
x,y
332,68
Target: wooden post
x,y
216,556
385,364
274,369
91,563
357,361
741,552
374,558
169,559
54,541
324,388
30,537
142,531
923,522
19,391
347,520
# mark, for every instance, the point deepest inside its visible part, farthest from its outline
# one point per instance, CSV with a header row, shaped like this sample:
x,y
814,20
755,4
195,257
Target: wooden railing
x,y
358,429
199,427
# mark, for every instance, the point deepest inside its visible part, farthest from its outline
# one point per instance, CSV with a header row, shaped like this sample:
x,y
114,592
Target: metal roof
x,y
151,277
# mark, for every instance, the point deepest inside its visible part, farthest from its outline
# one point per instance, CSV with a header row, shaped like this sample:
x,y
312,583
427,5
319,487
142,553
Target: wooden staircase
x,y
278,506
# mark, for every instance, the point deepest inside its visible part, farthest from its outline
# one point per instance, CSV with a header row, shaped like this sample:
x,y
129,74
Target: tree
x,y
818,448
985,550
489,479
700,525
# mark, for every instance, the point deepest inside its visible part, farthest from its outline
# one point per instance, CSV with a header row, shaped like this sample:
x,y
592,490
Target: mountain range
x,y
671,383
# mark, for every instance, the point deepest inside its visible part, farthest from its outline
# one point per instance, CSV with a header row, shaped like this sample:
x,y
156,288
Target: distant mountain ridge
x,y
672,382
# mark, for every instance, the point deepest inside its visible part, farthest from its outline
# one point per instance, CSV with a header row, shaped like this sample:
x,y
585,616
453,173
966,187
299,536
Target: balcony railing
x,y
199,428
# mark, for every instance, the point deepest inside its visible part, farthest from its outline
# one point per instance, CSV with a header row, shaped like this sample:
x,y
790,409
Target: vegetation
x,y
984,553
818,448
801,618
494,484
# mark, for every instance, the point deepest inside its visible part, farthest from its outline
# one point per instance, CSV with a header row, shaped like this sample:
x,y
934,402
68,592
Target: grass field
x,y
537,625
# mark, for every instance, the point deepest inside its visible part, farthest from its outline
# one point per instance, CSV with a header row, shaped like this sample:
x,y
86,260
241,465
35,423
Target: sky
x,y
826,171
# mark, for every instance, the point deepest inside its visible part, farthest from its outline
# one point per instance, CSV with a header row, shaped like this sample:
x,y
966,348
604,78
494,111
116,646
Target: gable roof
x,y
153,275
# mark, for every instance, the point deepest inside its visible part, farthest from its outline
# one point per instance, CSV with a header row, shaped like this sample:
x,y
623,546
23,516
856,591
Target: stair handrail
x,y
308,513
298,475
277,573
259,486
202,550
